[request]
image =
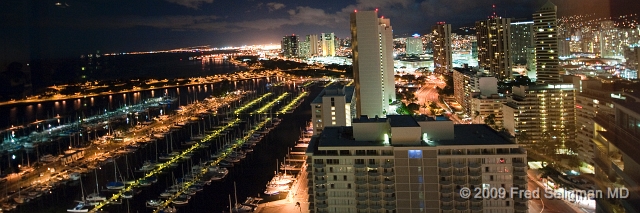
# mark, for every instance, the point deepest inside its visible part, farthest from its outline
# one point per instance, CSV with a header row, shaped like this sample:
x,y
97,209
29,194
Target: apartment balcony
x,y
387,165
321,189
318,165
446,189
374,182
361,190
375,165
461,207
459,199
475,181
445,172
359,165
390,207
389,199
474,165
321,181
373,174
375,190
362,206
375,207
444,165
475,173
460,173
322,205
389,190
321,198
446,207
388,182
319,173
476,207
460,182
446,199
362,198
389,174
309,168
445,182
360,174
460,165
375,198
361,182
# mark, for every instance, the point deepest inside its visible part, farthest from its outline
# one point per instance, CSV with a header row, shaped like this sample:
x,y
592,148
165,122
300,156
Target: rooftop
x,y
335,90
402,121
468,134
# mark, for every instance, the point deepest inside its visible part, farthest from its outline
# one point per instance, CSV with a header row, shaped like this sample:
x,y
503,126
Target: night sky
x,y
53,28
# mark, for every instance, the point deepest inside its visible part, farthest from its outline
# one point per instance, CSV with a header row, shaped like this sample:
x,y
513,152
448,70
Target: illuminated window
x,y
415,153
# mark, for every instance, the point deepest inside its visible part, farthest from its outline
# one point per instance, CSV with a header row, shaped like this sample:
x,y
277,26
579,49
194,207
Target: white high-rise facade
x,y
372,44
545,29
313,44
328,44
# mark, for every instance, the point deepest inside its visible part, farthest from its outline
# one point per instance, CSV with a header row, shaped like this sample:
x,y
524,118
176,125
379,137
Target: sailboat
x,y
95,198
80,207
115,185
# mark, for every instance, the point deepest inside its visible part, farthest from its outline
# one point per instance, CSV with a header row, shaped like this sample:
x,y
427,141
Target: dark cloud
x,y
194,4
273,6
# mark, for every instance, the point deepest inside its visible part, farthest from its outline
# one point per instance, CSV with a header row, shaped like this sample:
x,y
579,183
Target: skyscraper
x,y
441,38
328,44
414,45
304,49
313,44
494,52
289,46
521,40
546,44
372,44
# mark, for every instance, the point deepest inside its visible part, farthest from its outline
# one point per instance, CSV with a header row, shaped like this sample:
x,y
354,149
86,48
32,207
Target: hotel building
x,y
406,164
334,106
372,44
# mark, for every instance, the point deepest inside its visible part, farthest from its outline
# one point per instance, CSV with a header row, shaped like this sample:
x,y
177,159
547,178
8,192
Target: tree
x,y
424,106
413,107
491,121
476,114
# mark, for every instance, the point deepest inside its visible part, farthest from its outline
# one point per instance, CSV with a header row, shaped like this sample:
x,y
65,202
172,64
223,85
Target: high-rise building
x,y
406,164
617,163
468,84
594,99
494,42
372,44
304,49
545,31
334,106
521,41
441,38
541,112
328,44
313,44
531,63
289,46
414,45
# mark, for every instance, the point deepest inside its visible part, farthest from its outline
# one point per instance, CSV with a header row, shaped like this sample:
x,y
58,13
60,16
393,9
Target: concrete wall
x,y
406,135
437,130
371,131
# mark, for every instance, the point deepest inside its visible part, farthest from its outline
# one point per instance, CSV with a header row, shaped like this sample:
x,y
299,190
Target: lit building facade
x,y
469,84
521,41
313,44
372,45
545,29
414,46
328,44
494,47
304,49
539,112
407,164
334,106
594,99
289,46
617,163
441,39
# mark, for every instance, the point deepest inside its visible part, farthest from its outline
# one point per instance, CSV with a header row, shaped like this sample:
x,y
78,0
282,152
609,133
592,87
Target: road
x,y
544,205
428,92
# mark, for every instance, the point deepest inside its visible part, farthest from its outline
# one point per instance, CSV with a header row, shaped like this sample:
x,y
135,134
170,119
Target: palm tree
x,y
476,114
424,106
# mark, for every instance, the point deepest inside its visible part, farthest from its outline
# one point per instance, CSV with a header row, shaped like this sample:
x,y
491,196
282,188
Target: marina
x,y
201,139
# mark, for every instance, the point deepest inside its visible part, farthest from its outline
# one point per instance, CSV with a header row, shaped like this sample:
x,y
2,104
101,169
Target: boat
x,y
181,200
48,158
153,203
168,210
127,194
74,176
95,197
80,207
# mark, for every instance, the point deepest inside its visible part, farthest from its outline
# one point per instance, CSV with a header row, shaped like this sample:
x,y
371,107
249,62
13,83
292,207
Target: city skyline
x,y
63,29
